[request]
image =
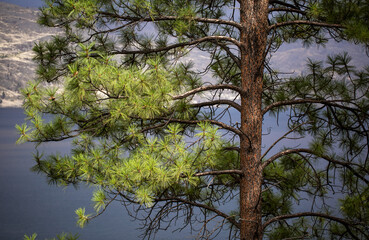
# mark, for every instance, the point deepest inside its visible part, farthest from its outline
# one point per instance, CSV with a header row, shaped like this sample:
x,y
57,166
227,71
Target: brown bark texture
x,y
254,15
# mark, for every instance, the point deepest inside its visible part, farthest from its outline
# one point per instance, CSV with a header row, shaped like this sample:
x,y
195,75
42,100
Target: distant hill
x,y
18,33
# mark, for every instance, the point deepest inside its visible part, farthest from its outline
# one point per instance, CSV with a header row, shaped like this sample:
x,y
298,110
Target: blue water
x,y
28,204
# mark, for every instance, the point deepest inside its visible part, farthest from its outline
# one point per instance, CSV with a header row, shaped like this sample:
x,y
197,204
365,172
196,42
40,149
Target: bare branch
x,y
279,139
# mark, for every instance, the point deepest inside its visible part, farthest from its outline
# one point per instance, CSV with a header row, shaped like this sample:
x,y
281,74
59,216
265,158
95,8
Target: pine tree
x,y
150,129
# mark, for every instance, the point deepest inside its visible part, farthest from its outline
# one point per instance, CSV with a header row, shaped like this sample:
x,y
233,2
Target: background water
x,y
29,204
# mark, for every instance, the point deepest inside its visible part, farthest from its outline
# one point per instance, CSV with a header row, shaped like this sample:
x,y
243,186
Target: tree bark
x,y
253,38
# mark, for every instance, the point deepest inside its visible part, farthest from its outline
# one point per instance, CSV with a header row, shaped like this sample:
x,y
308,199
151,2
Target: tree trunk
x,y
253,38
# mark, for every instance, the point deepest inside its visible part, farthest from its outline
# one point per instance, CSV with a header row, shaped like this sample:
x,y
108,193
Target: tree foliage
x,y
180,140
63,236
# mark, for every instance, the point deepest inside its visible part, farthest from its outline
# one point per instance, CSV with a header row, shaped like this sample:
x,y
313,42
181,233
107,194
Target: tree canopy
x,y
182,140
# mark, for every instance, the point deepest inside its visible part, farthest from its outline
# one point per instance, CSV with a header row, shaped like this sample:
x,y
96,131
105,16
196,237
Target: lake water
x,y
28,204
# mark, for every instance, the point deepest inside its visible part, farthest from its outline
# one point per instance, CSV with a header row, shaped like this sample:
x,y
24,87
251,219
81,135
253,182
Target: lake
x,y
28,204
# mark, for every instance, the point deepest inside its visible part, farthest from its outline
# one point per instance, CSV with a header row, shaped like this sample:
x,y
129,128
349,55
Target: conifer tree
x,y
184,142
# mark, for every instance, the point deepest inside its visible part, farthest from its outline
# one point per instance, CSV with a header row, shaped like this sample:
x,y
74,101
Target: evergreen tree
x,y
150,129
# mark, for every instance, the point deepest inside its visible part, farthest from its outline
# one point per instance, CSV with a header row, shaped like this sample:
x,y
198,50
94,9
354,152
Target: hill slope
x,y
18,33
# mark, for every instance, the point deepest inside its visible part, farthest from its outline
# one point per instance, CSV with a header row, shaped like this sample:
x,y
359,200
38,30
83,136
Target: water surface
x,y
29,204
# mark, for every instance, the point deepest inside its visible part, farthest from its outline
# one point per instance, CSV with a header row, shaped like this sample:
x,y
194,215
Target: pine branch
x,y
237,149
303,101
170,18
207,88
220,124
342,221
347,165
305,22
220,172
103,210
110,30
179,45
271,2
54,139
282,9
217,102
195,204
235,58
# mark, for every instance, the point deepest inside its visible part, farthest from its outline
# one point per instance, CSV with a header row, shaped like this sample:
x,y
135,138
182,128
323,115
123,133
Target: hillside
x,y
18,33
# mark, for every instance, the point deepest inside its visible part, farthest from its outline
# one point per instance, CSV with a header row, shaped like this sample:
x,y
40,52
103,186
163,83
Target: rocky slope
x,y
18,33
